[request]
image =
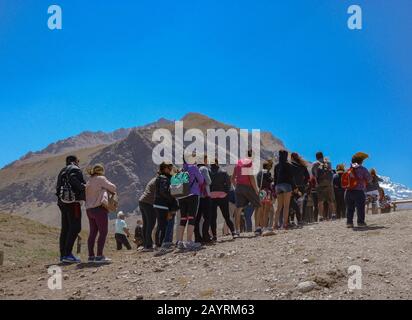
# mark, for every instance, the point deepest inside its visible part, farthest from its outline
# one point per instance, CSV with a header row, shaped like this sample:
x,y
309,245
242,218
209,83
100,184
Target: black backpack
x,y
65,191
324,174
219,181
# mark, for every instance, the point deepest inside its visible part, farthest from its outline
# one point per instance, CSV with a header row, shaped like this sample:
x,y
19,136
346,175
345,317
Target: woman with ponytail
x,y
97,189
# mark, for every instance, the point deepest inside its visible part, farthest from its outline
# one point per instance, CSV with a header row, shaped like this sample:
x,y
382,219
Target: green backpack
x,y
180,185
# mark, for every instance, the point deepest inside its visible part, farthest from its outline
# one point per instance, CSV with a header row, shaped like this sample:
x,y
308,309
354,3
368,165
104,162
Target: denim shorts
x,y
283,188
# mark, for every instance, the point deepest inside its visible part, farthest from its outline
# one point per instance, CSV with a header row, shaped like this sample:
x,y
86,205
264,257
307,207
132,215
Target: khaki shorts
x,y
325,193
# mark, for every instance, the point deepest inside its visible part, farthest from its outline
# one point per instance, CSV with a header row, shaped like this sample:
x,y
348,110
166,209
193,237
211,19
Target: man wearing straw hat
x,y
355,197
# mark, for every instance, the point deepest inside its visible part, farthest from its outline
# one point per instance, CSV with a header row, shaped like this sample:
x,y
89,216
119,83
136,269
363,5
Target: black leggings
x,y
204,211
161,226
223,204
149,221
189,207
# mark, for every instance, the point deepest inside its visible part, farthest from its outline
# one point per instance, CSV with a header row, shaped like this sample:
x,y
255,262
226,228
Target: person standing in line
x,y
355,197
219,194
264,181
189,206
323,173
339,192
284,184
164,202
70,188
301,180
204,205
146,202
372,192
97,193
246,189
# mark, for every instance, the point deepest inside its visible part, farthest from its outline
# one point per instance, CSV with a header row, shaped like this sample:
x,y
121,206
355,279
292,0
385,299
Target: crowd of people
x,y
283,195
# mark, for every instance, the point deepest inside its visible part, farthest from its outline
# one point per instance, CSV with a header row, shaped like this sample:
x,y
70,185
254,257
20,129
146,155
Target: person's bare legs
x,y
265,215
286,205
190,230
180,232
321,209
258,218
238,212
278,210
272,211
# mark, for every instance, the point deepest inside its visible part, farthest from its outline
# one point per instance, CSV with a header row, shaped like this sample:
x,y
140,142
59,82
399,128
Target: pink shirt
x,y
218,195
241,178
96,191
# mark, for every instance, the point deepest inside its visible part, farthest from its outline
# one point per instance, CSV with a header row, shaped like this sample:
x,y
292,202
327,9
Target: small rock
x,y
305,261
162,292
221,255
306,286
139,297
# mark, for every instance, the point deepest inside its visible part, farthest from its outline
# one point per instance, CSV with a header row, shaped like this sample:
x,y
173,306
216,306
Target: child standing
x,y
122,232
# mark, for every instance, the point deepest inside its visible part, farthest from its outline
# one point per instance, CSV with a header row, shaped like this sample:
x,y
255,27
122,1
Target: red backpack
x,y
349,179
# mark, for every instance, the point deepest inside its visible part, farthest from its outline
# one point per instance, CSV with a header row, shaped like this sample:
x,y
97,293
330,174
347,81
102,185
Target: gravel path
x,y
307,263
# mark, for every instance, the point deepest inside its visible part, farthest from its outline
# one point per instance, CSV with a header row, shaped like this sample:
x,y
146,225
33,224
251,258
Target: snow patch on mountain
x,y
396,191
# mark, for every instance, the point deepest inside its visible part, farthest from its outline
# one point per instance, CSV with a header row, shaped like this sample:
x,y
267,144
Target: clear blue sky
x,y
291,67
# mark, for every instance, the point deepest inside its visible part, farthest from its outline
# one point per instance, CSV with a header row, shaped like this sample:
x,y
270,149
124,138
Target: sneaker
x,y
349,225
166,245
147,250
362,225
236,234
180,247
193,246
163,251
102,259
71,259
91,259
258,232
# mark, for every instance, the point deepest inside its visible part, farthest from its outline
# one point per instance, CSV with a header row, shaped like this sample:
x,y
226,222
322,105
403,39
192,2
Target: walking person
x,y
219,194
301,179
189,206
372,192
322,171
97,193
122,232
339,192
284,185
146,202
164,202
355,181
70,191
246,189
202,234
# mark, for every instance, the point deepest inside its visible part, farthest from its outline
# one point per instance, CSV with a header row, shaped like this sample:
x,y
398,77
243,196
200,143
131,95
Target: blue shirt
x,y
119,226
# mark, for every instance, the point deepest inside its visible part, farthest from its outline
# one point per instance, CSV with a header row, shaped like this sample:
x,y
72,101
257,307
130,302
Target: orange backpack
x,y
349,179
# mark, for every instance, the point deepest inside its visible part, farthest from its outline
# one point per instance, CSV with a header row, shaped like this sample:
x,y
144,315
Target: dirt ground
x,y
307,263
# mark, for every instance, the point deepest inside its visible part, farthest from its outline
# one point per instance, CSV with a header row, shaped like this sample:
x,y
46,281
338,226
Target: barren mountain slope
x,y
27,187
